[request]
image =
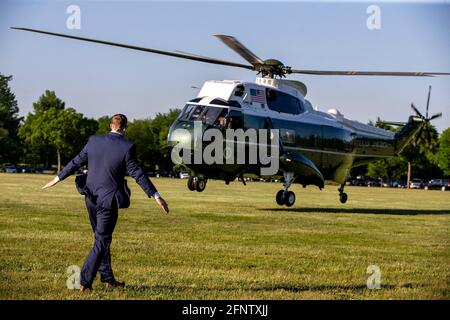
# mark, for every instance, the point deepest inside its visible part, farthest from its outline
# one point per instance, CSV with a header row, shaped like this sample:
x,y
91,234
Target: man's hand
x,y
51,183
163,204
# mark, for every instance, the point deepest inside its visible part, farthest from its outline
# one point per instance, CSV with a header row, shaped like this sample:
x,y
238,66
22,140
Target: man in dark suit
x,y
108,157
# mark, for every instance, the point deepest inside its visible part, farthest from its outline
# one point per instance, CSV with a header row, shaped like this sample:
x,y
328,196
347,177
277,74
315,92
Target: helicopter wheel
x,y
191,184
200,185
289,198
280,198
343,197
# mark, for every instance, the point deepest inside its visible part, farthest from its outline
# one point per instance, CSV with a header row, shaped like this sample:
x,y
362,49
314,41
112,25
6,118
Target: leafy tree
x,y
37,151
63,131
160,126
150,137
378,169
3,131
146,141
420,155
47,101
103,124
10,144
392,168
443,155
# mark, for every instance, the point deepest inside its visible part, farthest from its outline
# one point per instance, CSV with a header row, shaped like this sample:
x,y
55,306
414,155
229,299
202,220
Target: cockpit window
x,y
214,116
186,111
211,114
195,116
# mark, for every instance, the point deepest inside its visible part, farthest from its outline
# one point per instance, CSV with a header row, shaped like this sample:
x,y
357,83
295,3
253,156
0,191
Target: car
x,y
173,174
11,169
386,183
438,184
399,184
161,173
184,175
349,181
416,184
373,183
359,182
355,181
26,170
38,170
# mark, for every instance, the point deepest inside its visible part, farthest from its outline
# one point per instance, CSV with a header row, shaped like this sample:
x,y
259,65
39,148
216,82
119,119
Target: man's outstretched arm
x,y
74,164
137,173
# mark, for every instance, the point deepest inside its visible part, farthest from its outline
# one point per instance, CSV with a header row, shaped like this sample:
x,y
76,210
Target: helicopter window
x,y
196,113
240,90
283,102
211,114
186,111
221,119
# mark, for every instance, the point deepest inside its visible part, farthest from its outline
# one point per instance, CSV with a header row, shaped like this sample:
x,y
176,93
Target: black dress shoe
x,y
114,284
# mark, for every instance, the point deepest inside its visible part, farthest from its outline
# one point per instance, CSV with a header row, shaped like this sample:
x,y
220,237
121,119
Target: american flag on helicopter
x,y
257,95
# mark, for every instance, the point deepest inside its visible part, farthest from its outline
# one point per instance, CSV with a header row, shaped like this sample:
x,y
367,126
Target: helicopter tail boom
x,y
408,133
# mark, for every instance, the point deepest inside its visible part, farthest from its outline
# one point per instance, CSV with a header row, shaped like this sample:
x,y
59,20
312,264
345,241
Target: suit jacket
x,y
109,157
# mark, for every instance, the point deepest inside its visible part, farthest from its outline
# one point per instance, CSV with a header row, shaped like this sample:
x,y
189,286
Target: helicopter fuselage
x,y
331,142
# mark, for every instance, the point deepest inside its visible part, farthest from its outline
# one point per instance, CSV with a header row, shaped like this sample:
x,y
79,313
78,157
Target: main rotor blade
x,y
190,54
416,110
428,100
437,115
167,53
369,73
243,51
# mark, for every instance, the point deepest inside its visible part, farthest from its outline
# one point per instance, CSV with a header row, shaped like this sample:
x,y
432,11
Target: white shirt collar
x,y
117,132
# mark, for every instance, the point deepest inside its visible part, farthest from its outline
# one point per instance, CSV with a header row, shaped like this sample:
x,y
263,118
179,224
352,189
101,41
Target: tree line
x,y
52,134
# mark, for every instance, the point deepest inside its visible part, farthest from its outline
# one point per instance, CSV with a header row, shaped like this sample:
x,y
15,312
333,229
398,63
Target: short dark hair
x,y
120,121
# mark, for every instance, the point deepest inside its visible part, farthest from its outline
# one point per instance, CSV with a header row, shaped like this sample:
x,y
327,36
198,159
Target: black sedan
x,y
438,184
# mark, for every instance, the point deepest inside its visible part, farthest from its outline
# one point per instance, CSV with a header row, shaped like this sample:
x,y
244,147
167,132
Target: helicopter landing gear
x,y
196,184
190,184
286,197
342,195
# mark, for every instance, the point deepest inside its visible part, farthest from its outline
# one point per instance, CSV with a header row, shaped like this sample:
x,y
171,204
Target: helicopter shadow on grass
x,y
400,212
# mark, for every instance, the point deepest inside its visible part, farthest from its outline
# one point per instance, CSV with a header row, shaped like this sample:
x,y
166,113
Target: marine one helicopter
x,y
314,146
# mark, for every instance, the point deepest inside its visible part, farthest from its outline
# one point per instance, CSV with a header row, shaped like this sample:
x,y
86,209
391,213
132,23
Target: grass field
x,y
230,242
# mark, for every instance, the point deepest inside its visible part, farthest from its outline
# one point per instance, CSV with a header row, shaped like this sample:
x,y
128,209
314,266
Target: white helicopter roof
x,y
219,88
224,88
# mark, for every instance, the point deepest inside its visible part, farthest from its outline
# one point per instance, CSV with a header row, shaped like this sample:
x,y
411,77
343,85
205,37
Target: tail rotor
x,y
426,122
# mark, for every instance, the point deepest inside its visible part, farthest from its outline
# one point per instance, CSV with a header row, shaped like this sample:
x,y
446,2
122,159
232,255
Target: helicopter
x,y
313,146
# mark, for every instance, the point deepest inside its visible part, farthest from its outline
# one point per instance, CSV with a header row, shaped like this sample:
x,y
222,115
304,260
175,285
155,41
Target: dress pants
x,y
103,222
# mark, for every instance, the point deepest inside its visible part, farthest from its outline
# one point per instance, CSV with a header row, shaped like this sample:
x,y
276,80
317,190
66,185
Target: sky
x,y
100,80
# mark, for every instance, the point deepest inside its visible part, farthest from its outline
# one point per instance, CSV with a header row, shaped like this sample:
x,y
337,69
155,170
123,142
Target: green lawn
x,y
230,242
